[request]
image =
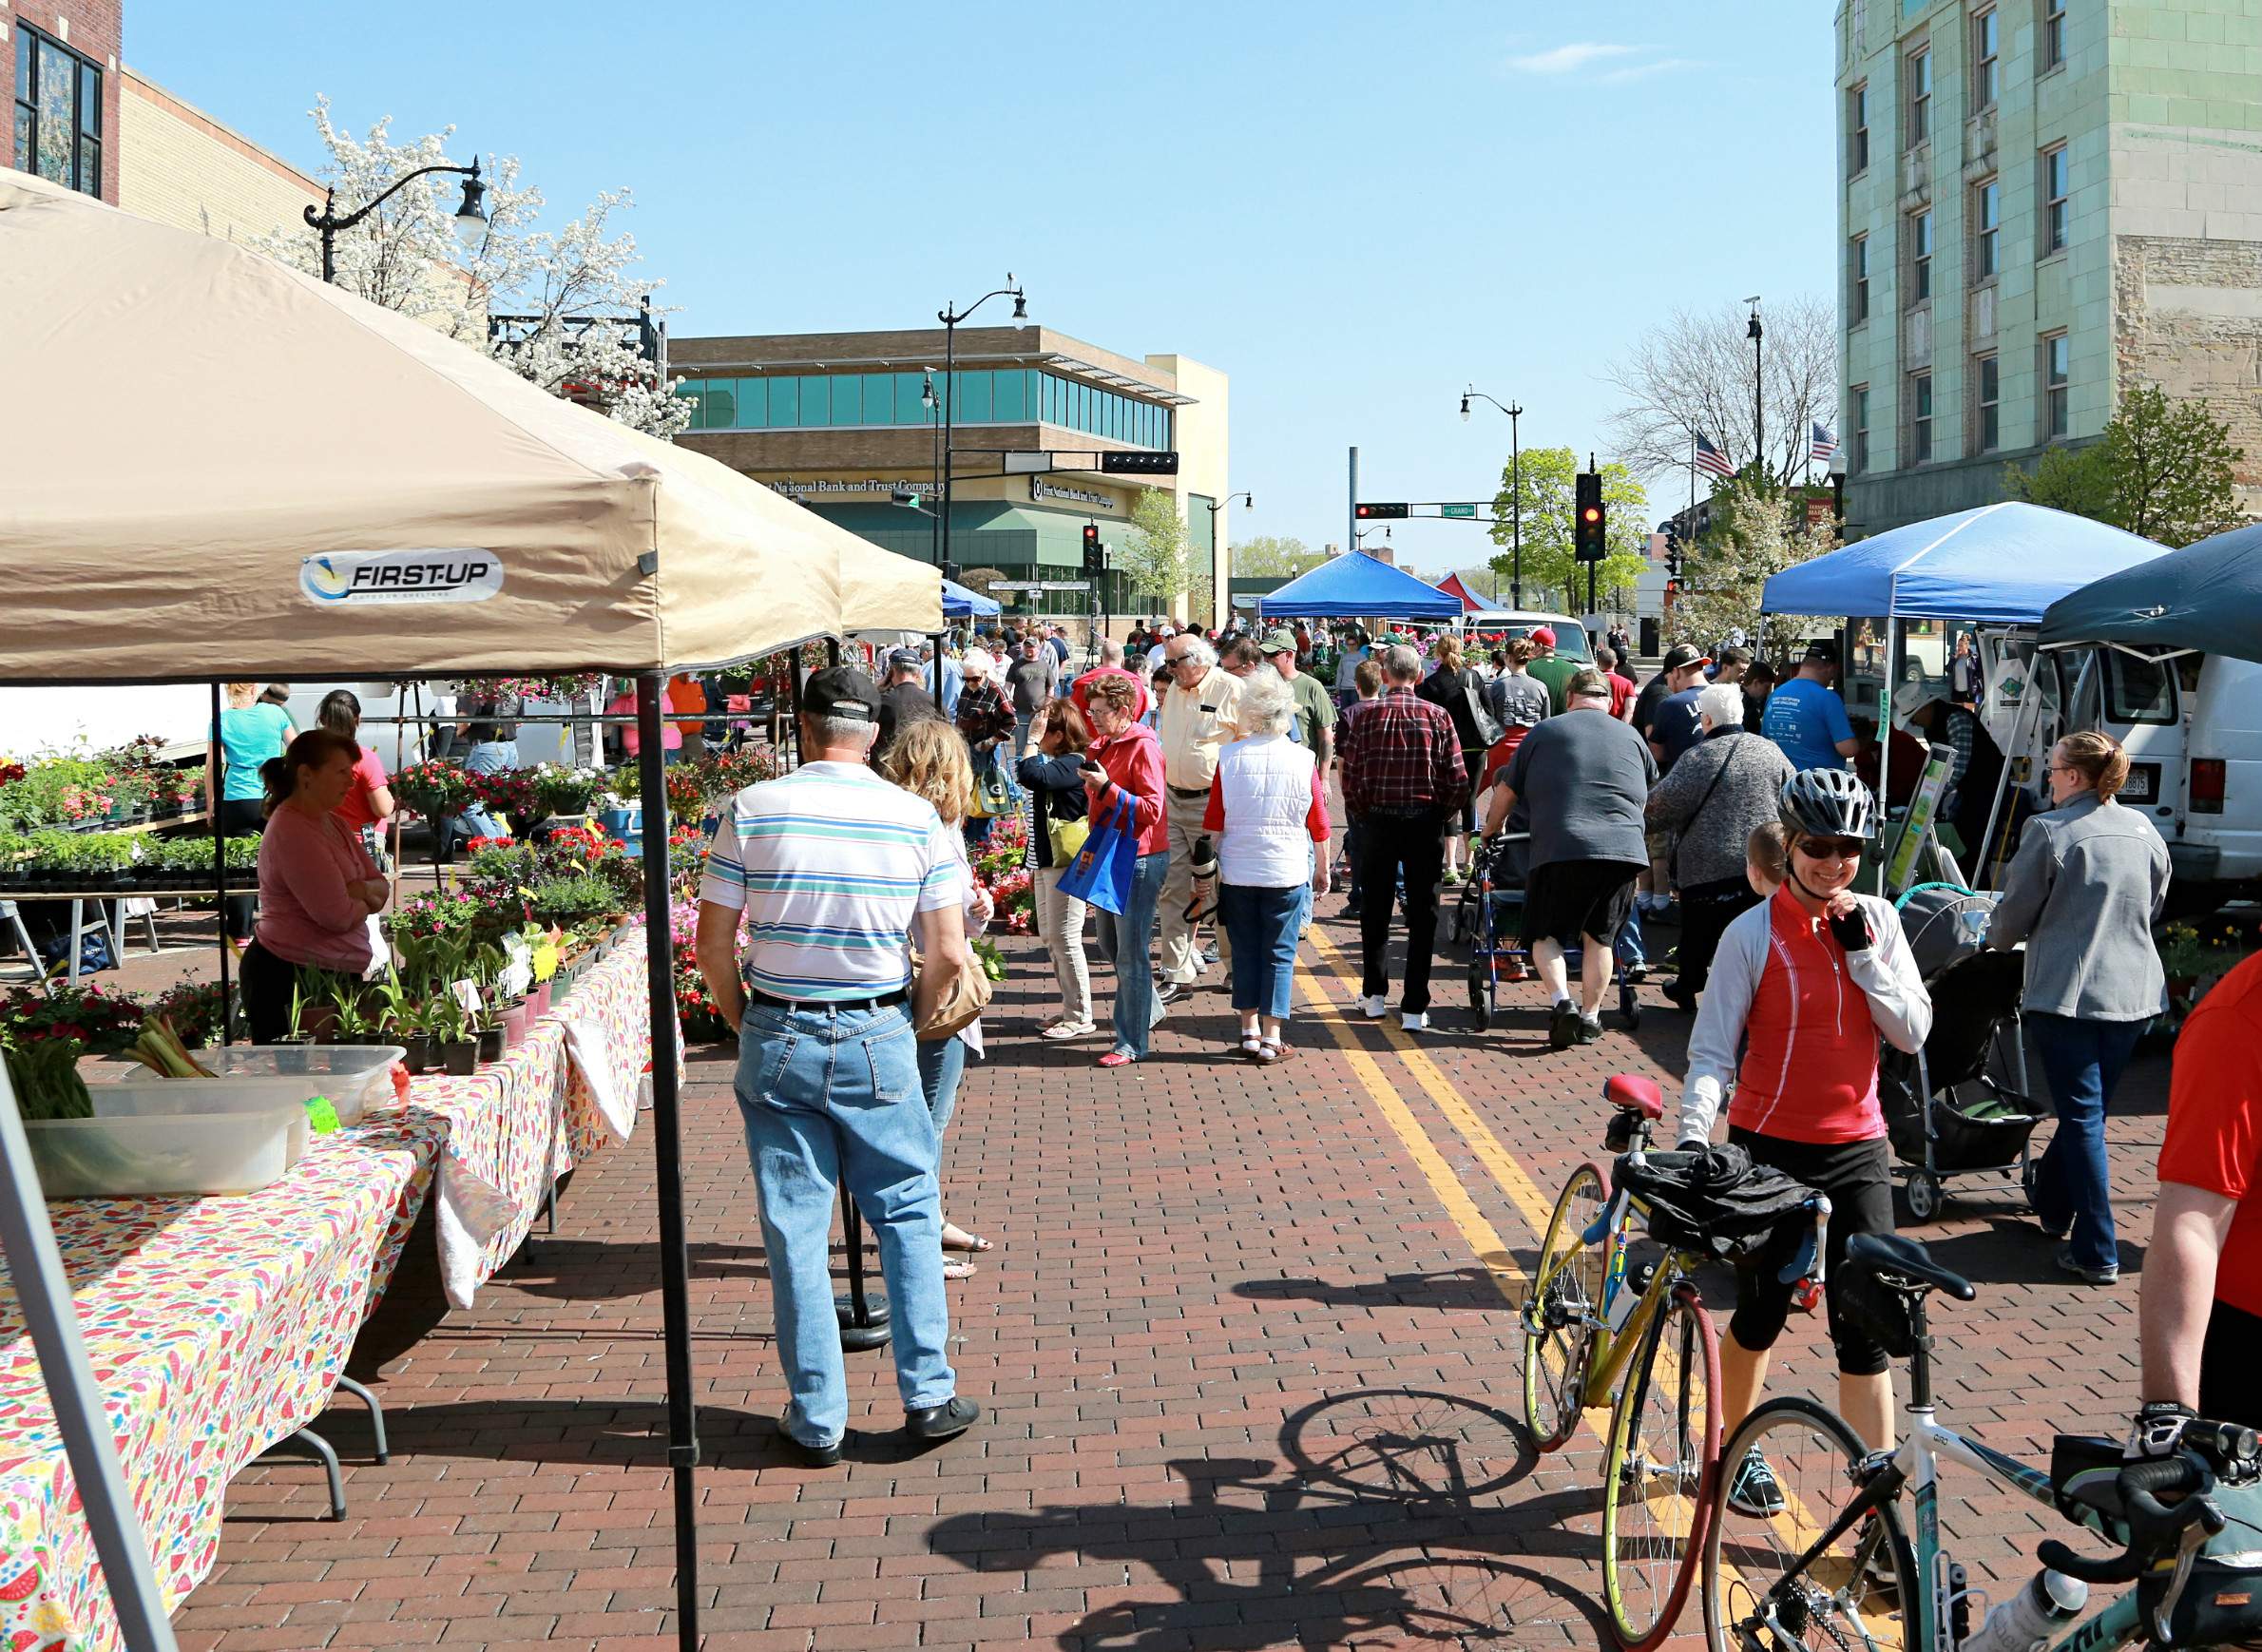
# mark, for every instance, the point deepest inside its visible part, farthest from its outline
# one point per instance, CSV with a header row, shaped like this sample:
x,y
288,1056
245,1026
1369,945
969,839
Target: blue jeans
x,y
942,1065
832,1097
1262,923
1628,946
2083,1061
488,757
1124,942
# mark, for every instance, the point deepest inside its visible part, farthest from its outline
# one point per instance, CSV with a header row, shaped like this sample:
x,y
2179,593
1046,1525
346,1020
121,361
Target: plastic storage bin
x,y
225,1149
352,1076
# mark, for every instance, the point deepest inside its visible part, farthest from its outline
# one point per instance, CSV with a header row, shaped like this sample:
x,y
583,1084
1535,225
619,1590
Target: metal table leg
x,y
863,1314
306,1440
379,1453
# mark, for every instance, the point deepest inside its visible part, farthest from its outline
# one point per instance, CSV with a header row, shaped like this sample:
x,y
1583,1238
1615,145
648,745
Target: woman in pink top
x,y
1124,766
317,886
368,798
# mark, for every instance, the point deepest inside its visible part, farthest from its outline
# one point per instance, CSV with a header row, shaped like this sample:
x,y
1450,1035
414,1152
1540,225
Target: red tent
x,y
1453,586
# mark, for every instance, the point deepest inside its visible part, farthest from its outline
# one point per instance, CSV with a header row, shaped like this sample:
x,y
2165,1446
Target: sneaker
x,y
1414,1020
2105,1276
1755,1490
1171,991
1376,1008
1451,878
1118,1058
1590,1030
1209,957
1636,971
1562,1026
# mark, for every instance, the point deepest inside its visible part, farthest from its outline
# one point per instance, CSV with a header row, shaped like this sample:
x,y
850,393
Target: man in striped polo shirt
x,y
834,870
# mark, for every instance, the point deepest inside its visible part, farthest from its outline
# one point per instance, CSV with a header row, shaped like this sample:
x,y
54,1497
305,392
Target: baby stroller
x,y
1946,1110
1490,919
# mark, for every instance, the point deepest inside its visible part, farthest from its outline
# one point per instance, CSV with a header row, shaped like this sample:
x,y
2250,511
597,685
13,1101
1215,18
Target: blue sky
x,y
1354,210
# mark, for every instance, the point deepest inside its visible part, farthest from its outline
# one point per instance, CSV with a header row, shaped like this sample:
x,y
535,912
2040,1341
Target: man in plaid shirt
x,y
1403,778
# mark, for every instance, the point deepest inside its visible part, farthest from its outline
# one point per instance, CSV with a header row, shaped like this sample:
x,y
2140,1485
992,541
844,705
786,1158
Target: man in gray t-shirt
x,y
1586,776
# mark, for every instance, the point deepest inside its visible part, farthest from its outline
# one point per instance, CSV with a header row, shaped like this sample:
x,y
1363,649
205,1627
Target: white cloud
x,y
1563,59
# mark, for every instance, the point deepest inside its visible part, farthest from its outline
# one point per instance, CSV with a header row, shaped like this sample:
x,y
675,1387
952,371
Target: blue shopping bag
x,y
1101,873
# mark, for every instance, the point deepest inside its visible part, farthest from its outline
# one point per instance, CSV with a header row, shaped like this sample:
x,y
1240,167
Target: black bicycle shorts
x,y
1858,1178
2228,1360
1565,899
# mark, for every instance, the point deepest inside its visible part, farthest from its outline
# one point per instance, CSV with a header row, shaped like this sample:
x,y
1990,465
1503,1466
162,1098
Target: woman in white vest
x,y
1267,811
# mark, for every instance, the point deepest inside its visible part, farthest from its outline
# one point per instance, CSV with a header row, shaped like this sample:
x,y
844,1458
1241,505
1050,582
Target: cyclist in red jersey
x,y
1807,982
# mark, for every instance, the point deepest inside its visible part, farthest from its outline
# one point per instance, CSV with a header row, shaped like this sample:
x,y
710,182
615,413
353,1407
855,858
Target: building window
x,y
1987,230
1920,256
2057,371
1857,453
1920,418
1986,59
1857,130
2056,190
58,120
2050,47
1857,269
1920,97
1000,396
1987,388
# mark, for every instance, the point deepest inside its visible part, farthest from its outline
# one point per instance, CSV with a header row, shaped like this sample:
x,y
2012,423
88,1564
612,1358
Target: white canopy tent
x,y
219,468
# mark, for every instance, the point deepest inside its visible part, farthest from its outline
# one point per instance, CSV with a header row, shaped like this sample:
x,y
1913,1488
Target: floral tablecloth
x,y
219,1326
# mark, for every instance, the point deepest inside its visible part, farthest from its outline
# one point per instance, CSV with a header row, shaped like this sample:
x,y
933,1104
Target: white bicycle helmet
x,y
1828,803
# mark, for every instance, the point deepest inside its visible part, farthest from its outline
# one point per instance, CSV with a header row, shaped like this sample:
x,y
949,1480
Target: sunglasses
x,y
1831,848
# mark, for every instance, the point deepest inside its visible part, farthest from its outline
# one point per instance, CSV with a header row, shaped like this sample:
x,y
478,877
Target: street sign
x,y
1065,586
1016,585
1466,512
1028,464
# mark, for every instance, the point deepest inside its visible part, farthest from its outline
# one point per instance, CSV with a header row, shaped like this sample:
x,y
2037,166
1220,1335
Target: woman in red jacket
x,y
1124,765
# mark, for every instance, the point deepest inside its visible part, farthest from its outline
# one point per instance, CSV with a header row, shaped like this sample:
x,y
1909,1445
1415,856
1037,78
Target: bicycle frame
x,y
1614,1349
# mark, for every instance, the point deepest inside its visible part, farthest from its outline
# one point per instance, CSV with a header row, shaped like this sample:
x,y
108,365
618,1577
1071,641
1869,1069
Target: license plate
x,y
2143,783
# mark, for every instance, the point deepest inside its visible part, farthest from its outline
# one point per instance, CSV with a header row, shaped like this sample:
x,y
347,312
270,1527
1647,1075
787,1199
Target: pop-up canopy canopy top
x,y
2208,597
964,602
1355,586
1997,565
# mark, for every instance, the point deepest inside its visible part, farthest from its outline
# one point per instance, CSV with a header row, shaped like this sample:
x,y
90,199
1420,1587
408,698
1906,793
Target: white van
x,y
1570,636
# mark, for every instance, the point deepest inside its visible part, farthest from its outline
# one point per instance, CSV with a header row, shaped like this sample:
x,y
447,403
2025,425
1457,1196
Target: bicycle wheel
x,y
1858,1596
1559,1315
1657,1472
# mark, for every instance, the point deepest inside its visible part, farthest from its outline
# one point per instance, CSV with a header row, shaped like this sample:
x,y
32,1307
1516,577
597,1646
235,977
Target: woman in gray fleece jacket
x,y
2083,892
1726,783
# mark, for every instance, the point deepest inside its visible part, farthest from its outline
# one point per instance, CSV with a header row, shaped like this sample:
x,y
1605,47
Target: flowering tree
x,y
564,302
1757,529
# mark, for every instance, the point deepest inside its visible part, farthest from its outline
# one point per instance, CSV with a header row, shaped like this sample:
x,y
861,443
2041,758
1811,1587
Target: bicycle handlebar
x,y
2154,1527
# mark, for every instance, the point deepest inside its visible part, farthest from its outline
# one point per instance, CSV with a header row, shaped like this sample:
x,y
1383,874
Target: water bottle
x,y
2049,1603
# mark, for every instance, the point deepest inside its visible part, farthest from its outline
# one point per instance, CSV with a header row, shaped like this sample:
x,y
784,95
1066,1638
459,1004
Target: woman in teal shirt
x,y
250,731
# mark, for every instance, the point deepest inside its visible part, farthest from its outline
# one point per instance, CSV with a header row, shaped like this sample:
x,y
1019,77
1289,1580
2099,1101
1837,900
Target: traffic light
x,y
1381,512
1094,556
1587,524
1134,464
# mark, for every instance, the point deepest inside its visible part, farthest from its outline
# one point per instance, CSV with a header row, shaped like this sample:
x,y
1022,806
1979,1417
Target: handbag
x,y
1101,873
995,797
1067,837
964,996
1487,726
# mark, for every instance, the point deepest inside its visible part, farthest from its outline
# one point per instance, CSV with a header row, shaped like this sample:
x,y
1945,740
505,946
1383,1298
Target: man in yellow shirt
x,y
1201,712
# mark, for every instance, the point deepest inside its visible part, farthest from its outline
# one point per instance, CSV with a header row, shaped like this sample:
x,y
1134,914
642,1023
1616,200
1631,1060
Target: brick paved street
x,y
1251,1376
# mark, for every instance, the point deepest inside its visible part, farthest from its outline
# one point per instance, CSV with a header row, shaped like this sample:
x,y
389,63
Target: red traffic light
x,y
1592,513
1392,512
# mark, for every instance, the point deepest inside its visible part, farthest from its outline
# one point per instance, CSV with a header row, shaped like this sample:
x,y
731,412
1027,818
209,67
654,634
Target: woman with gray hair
x,y
1266,814
1724,786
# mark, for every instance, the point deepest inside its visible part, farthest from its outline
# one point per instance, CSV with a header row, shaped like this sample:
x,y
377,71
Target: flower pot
x,y
461,1058
420,1053
514,1026
538,1001
491,1044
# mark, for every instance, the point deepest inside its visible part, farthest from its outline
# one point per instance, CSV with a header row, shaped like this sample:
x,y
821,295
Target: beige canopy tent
x,y
213,467
219,467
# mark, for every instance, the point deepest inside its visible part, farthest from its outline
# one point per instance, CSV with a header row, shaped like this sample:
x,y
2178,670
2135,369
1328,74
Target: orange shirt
x,y
684,693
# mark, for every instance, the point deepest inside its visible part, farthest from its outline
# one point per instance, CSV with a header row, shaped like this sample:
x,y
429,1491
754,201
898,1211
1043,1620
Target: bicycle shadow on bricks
x,y
1460,1288
1399,1517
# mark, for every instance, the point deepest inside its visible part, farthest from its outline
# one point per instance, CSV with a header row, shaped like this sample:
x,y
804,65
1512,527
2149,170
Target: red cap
x,y
1542,634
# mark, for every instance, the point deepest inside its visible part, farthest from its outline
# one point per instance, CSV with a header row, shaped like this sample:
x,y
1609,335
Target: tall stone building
x,y
2042,203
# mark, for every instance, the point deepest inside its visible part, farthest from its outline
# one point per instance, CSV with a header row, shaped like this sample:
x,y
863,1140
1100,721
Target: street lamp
x,y
933,404
1759,418
951,317
1221,603
1515,492
470,213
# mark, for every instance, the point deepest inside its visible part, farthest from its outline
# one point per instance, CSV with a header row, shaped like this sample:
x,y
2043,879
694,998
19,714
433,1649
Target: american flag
x,y
1711,458
1825,446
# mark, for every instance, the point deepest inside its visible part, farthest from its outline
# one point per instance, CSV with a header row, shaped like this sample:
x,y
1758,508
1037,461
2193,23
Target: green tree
x,y
1269,556
1153,557
1550,570
1757,529
2163,472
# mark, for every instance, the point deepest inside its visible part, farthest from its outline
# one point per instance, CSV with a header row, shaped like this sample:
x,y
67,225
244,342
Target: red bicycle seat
x,y
1630,1092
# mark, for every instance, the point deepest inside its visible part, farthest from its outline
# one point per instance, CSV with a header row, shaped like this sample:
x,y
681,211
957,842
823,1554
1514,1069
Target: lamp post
x,y
1515,492
1754,333
471,215
951,317
1221,602
934,416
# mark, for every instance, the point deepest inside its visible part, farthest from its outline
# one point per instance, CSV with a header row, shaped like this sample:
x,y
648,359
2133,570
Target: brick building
x,y
2041,202
179,166
61,59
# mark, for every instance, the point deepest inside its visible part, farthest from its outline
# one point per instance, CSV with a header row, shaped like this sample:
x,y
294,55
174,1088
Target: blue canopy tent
x,y
960,602
1998,565
2208,597
1354,587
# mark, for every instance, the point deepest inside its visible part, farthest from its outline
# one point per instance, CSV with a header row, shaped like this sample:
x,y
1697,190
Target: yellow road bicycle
x,y
1600,1329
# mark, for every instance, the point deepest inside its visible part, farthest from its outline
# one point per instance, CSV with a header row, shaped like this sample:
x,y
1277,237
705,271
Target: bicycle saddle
x,y
1636,1095
1904,1265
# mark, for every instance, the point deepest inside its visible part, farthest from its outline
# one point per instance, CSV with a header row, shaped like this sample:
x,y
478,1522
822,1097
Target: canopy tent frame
x,y
1333,591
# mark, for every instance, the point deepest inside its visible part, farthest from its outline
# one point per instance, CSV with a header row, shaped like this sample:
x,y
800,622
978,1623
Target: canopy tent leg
x,y
667,1156
935,640
220,876
35,1269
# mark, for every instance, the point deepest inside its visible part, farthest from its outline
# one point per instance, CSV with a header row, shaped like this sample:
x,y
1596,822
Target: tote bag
x,y
996,796
1101,873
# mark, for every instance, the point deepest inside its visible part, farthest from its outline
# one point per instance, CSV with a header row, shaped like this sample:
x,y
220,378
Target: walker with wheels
x,y
1488,918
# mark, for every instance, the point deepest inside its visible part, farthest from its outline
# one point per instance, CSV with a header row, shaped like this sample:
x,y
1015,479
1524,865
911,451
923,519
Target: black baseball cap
x,y
905,660
1824,649
1681,656
840,691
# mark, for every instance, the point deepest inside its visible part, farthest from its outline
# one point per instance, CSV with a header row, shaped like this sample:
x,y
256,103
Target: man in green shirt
x,y
1551,667
1316,709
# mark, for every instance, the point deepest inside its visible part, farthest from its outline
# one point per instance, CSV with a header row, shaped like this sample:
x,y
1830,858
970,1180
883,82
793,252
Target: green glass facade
x,y
874,400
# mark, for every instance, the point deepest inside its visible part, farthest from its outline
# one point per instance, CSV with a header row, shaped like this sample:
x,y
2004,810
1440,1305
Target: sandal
x,y
1065,1029
953,1268
958,1238
1252,1046
1275,1050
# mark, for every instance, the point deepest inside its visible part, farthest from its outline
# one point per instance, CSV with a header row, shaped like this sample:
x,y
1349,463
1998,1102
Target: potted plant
x,y
459,1047
298,1033
490,1034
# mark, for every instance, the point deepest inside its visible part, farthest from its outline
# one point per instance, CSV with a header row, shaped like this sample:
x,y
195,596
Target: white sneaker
x,y
1376,1007
1412,1022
